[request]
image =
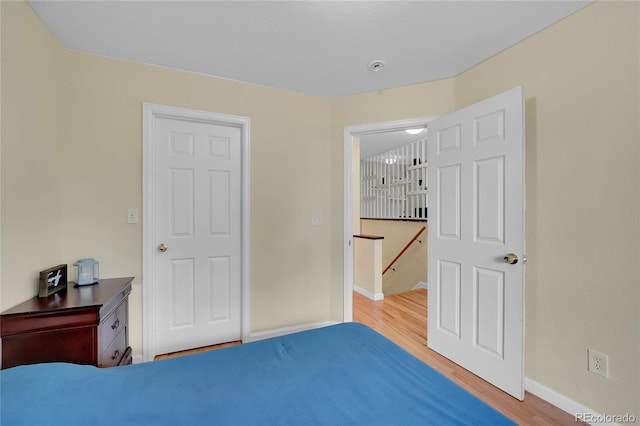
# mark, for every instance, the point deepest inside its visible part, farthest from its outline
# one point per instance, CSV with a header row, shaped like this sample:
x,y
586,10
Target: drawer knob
x,y
116,355
115,324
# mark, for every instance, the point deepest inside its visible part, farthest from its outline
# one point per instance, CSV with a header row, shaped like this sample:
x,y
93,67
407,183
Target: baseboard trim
x,y
421,284
368,295
137,359
579,411
267,334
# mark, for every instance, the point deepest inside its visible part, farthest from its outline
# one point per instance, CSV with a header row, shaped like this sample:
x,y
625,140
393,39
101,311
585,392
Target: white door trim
x,y
349,133
149,113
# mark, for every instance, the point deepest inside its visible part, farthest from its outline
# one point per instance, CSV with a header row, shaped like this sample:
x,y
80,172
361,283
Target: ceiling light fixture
x,y
415,131
376,65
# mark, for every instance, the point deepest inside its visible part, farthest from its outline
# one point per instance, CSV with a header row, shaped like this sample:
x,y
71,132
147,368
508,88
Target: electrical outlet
x,y
598,363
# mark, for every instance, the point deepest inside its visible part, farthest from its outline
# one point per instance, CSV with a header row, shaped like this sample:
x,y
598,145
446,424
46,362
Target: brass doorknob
x,y
511,258
162,247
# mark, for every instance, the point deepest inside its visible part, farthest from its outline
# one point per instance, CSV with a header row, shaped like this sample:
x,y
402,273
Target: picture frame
x,y
52,280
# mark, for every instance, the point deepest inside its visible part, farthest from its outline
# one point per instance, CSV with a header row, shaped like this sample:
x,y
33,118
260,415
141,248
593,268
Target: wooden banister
x,y
406,247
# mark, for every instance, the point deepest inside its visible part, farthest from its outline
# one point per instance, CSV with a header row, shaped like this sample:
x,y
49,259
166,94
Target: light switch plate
x,y
132,215
316,219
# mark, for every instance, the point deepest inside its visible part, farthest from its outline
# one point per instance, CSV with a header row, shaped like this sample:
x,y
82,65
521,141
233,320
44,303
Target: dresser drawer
x,y
111,326
83,325
114,353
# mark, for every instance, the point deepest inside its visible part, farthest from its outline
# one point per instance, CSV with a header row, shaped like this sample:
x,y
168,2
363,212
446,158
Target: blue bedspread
x,y
346,374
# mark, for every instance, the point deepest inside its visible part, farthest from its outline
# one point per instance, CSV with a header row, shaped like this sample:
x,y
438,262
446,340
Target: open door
x,y
476,239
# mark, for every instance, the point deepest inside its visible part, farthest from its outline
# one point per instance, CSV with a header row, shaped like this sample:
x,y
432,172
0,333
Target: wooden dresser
x,y
82,325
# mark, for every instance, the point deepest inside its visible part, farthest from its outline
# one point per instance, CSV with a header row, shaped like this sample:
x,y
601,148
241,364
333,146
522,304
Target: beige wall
x,y
34,197
98,152
289,257
581,79
367,266
411,267
581,86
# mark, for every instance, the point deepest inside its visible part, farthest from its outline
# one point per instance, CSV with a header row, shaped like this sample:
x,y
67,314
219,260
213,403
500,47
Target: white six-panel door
x,y
476,214
197,233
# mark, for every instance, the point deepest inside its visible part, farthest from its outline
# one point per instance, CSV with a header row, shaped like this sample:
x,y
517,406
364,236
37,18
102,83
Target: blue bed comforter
x,y
346,374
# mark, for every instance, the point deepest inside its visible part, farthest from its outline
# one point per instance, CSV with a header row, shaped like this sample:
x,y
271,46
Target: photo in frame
x,y
52,280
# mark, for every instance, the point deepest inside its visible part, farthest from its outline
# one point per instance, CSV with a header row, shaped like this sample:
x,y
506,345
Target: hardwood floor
x,y
196,350
402,318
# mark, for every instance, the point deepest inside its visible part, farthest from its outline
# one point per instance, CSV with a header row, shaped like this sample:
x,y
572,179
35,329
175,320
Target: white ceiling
x,y
316,47
377,143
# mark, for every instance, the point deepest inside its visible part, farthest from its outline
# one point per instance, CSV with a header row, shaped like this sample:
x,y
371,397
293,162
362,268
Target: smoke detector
x,y
376,65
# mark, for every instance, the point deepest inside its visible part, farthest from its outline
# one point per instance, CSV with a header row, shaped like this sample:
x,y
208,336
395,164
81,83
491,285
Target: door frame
x,y
150,112
349,133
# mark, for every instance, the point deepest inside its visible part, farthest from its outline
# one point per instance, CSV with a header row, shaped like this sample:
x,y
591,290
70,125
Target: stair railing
x,y
406,247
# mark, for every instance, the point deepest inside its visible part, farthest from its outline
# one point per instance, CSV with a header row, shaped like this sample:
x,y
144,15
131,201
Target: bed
x,y
346,374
